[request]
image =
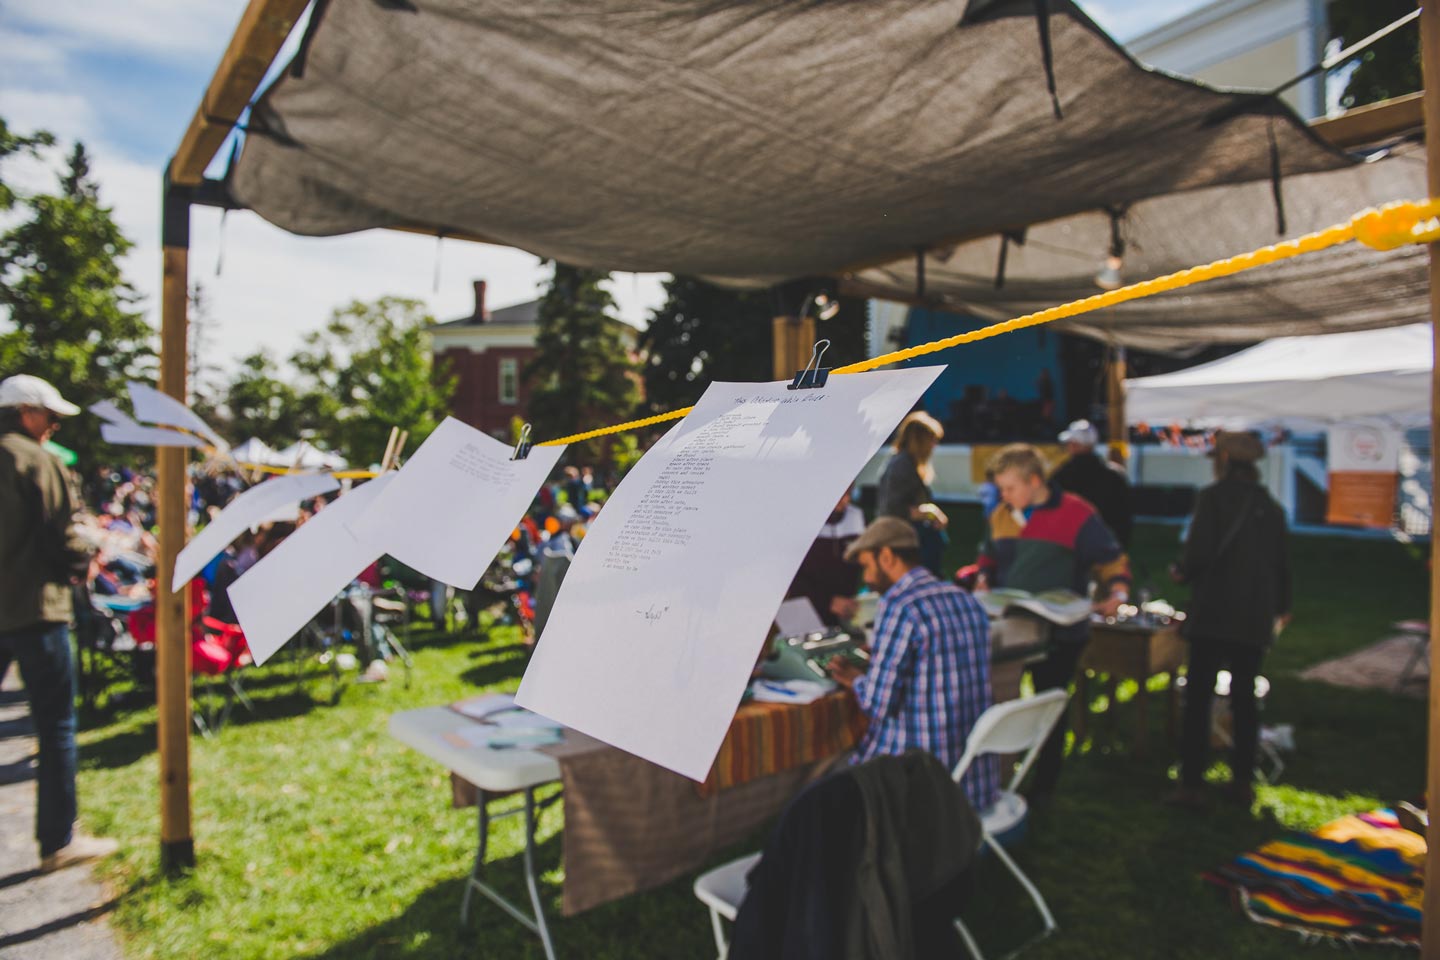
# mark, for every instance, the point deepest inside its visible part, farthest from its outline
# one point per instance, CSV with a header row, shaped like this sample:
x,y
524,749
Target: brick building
x,y
486,353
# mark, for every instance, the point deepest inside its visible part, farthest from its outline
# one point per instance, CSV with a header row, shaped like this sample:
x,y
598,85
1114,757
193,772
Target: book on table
x,y
1061,607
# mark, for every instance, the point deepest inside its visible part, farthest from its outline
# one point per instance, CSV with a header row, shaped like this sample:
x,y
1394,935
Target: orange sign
x,y
1362,498
982,453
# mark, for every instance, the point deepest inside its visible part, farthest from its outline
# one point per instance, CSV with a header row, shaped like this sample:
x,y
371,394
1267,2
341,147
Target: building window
x,y
509,380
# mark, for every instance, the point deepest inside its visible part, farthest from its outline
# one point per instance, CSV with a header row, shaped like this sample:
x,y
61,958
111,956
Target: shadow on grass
x,y
667,922
500,664
128,746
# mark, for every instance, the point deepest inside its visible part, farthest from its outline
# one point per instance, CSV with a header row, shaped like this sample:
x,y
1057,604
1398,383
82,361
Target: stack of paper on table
x,y
789,691
1060,607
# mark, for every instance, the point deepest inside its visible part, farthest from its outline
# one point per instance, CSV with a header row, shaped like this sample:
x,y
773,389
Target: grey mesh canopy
x,y
1350,287
745,141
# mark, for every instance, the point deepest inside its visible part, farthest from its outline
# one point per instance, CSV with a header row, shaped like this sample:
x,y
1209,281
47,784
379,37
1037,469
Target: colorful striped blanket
x,y
768,738
1359,878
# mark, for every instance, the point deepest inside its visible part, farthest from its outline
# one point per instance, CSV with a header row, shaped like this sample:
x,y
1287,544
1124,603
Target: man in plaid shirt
x,y
929,675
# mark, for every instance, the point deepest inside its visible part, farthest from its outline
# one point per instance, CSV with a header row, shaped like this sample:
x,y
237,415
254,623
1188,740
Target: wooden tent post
x,y
1430,69
1115,397
172,610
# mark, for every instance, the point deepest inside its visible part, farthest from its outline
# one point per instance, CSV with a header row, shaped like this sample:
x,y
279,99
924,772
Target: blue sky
x,y
125,76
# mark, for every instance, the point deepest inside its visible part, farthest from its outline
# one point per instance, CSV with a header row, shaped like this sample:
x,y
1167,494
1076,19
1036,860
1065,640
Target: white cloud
x,y
176,28
274,287
67,115
25,57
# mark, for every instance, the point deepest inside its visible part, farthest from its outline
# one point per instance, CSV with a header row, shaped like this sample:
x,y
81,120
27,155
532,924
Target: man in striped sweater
x,y
1041,538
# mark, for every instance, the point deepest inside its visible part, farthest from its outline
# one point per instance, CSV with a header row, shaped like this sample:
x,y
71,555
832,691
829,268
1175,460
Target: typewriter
x,y
804,657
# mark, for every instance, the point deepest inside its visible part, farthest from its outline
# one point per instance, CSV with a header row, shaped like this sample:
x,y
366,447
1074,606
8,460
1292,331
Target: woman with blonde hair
x,y
904,489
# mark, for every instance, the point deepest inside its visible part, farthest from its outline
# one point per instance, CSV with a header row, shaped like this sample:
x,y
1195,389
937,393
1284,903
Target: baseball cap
x,y
1238,445
23,390
889,532
1082,432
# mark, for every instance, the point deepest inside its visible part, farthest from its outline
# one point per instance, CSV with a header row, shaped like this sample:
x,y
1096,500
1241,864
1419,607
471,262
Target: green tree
x,y
261,404
12,144
582,376
1390,67
203,378
703,333
369,369
74,318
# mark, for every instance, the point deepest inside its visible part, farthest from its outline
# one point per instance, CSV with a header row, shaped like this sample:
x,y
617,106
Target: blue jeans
x,y
47,668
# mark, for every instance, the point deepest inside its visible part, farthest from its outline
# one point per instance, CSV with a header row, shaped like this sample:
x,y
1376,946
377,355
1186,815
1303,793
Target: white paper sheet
x,y
152,406
671,595
486,705
790,691
122,431
797,616
488,737
455,503
277,596
245,511
108,412
134,435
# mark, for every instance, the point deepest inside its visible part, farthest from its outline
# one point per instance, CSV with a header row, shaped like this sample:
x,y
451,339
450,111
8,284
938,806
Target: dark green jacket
x,y
1238,587
39,551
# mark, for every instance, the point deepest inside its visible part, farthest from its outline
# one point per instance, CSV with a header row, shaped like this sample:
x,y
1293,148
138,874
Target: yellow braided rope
x,y
1387,228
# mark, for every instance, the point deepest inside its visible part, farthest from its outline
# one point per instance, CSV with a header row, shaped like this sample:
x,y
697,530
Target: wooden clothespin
x,y
389,449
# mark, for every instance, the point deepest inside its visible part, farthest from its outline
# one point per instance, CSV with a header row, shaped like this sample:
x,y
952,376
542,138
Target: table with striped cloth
x,y
768,738
1359,878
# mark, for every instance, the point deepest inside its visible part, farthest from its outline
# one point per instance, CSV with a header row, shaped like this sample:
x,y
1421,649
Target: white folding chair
x,y
723,890
1011,728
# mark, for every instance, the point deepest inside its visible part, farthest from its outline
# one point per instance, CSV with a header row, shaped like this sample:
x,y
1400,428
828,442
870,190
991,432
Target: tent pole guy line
x,y
1391,226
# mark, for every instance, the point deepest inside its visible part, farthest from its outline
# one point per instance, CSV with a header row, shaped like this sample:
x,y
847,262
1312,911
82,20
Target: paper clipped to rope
x,y
152,406
282,592
245,511
454,503
671,595
119,429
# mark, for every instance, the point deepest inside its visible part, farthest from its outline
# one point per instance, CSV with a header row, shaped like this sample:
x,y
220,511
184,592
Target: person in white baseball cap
x,y
23,390
40,555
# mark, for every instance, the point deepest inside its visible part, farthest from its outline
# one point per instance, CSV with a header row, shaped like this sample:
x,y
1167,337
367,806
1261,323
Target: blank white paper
x,y
107,411
152,406
245,511
672,592
455,503
797,616
122,431
284,590
134,435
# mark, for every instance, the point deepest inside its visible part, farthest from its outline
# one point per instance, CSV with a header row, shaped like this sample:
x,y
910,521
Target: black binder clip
x,y
522,449
813,377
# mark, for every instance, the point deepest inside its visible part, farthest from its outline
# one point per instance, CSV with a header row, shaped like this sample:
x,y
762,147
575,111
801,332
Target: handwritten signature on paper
x,y
654,613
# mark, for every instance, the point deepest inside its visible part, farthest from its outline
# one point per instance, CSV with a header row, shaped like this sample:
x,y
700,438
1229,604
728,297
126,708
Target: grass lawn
x,y
319,836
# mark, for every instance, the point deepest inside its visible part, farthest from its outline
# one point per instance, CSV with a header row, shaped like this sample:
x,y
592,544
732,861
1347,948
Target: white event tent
x,y
1369,375
305,455
253,450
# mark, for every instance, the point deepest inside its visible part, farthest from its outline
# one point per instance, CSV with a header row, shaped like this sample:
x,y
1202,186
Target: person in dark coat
x,y
1235,561
1088,476
871,863
826,578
